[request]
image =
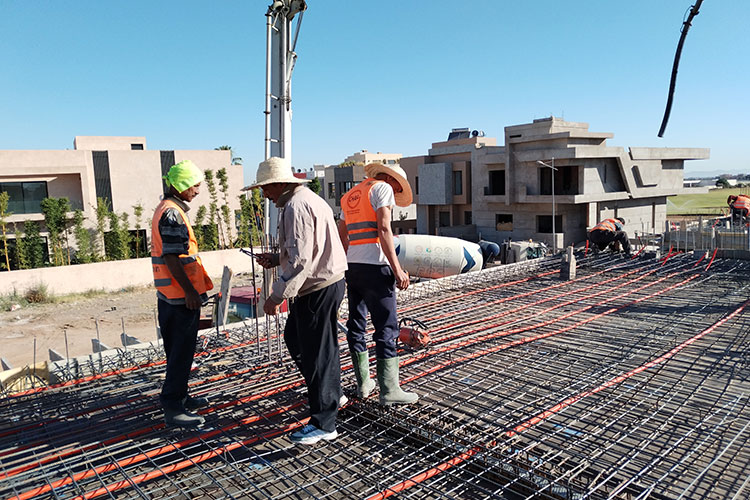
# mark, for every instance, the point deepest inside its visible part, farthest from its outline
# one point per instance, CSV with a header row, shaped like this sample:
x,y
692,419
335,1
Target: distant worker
x,y
490,251
374,272
181,285
313,263
610,232
740,207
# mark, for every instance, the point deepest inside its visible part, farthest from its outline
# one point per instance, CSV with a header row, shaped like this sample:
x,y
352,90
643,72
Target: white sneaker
x,y
310,434
343,400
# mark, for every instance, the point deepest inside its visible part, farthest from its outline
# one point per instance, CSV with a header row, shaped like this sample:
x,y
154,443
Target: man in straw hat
x,y
181,285
374,272
313,263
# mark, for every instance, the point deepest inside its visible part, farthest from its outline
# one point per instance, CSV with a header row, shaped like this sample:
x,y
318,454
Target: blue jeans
x,y
372,288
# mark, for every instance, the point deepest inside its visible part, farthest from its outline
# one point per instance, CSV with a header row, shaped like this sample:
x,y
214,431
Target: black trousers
x,y
372,288
738,214
603,238
311,337
179,330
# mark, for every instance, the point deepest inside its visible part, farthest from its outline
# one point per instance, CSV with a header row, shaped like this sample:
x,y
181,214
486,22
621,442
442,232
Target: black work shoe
x,y
182,418
191,403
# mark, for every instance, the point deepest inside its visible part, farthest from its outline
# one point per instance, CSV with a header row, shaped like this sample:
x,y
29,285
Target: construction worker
x,y
181,285
610,232
365,230
312,263
740,207
490,251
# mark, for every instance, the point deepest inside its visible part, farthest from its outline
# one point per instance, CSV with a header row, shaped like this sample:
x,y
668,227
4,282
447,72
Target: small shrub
x,y
37,294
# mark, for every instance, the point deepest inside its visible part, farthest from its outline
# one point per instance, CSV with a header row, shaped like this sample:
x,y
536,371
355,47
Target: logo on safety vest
x,y
353,199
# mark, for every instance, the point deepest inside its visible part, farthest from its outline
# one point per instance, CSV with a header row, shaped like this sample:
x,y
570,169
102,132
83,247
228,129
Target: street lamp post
x,y
554,234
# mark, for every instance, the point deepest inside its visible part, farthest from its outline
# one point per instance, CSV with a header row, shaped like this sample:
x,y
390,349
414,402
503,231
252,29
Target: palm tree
x,y
236,160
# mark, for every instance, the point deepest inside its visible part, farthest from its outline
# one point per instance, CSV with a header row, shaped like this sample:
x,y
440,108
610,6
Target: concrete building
x,y
364,157
119,169
441,180
506,193
337,180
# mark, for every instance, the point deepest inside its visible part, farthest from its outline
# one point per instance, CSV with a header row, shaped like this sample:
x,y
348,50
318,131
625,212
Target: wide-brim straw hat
x,y
404,198
275,170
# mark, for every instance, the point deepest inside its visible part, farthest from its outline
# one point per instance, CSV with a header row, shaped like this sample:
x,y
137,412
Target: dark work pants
x,y
738,214
312,339
603,238
179,330
372,288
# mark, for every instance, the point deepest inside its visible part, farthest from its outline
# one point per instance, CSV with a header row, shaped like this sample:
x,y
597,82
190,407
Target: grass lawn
x,y
713,202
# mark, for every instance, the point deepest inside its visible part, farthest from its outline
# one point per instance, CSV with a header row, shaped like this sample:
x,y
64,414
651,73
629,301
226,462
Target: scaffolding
x,y
630,381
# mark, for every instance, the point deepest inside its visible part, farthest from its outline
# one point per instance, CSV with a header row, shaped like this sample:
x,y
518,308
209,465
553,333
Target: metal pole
x,y
267,142
554,230
267,112
554,233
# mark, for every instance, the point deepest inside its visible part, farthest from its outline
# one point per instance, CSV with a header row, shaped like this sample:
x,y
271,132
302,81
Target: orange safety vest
x,y
606,225
741,203
191,262
361,219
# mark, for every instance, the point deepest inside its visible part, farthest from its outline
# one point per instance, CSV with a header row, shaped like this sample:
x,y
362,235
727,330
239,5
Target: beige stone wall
x,y
135,176
107,143
111,276
68,173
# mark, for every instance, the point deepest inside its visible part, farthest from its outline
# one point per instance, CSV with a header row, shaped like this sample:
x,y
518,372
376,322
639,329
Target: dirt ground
x,y
49,324
76,317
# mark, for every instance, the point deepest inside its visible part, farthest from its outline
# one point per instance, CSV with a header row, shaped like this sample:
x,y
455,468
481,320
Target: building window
x,y
566,180
467,217
544,224
102,179
504,222
331,190
416,184
458,183
24,197
444,219
136,147
496,183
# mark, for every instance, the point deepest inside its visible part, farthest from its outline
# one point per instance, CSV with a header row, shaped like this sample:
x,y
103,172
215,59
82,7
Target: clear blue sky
x,y
389,76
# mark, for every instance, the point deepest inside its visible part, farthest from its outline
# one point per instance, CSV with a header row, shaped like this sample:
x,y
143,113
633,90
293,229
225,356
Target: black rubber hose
x,y
685,27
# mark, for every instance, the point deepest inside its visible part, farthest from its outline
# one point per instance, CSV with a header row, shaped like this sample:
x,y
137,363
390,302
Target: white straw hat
x,y
275,170
404,198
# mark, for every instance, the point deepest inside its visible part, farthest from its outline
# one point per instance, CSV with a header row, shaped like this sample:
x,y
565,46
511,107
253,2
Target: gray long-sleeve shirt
x,y
311,255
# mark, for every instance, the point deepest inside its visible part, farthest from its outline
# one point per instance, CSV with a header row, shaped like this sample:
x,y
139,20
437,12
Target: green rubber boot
x,y
390,392
361,363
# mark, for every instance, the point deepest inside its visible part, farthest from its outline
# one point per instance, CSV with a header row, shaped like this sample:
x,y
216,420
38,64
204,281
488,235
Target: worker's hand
x,y
271,308
192,300
267,260
402,279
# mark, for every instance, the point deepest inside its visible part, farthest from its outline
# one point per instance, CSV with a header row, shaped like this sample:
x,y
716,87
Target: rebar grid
x,y
630,381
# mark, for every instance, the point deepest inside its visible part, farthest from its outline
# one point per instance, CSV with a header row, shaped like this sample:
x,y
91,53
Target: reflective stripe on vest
x,y
361,218
606,225
742,202
191,262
